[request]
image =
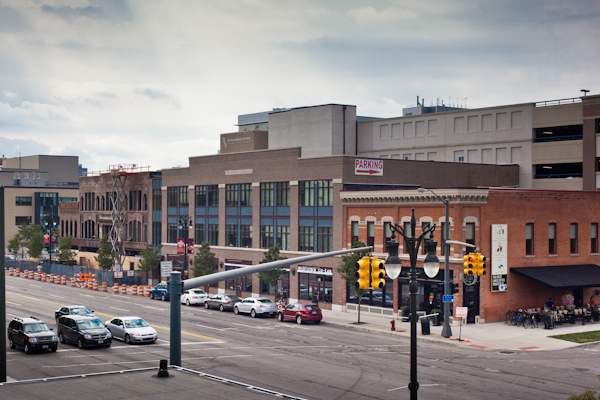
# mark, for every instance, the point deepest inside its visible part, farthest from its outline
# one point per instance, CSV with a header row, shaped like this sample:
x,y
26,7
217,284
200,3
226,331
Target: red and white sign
x,y
461,312
46,237
190,246
368,167
180,246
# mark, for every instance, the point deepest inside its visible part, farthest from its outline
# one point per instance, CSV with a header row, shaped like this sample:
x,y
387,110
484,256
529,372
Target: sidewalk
x,y
490,336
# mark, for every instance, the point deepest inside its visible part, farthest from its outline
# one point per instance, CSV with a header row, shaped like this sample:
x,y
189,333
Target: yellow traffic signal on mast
x,y
362,272
469,264
480,264
377,273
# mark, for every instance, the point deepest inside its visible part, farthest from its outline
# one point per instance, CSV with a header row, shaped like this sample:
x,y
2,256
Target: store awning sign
x,y
315,270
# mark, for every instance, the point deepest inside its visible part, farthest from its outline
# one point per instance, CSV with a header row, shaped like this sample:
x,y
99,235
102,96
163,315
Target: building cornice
x,y
412,197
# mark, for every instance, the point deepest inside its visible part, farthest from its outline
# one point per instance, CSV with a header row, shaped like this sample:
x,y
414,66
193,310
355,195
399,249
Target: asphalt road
x,y
312,361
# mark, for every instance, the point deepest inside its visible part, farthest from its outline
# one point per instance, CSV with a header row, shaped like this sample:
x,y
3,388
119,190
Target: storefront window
x,y
315,284
239,284
280,290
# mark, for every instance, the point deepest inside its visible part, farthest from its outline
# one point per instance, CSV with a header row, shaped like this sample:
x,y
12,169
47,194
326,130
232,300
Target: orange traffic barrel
x,y
104,288
10,271
17,272
73,282
95,285
140,290
51,280
63,281
123,289
25,274
44,277
134,290
116,288
38,276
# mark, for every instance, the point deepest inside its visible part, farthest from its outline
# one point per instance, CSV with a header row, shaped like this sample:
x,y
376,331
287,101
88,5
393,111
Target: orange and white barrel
x,y
140,291
44,276
31,275
25,274
116,288
57,279
63,281
51,280
123,289
72,282
38,276
147,291
95,285
17,272
11,270
134,290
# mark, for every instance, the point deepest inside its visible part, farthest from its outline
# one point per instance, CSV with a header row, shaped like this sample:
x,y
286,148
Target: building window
x,y
177,196
470,233
324,239
280,290
306,192
408,233
594,238
239,195
315,288
306,238
23,201
22,220
529,239
354,232
266,236
267,194
246,236
424,226
283,194
199,233
370,233
387,235
573,235
246,195
283,237
213,195
325,193
172,232
201,196
552,238
231,231
212,234
156,200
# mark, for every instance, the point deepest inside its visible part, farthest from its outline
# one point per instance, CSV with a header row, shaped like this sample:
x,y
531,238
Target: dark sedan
x,y
222,301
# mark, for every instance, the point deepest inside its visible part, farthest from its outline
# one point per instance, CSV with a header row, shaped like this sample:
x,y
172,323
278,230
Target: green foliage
x,y
150,258
36,245
106,256
65,252
347,268
204,261
14,244
271,276
28,231
589,394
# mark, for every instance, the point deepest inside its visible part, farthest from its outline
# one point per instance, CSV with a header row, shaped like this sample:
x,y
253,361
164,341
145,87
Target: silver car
x,y
131,330
256,306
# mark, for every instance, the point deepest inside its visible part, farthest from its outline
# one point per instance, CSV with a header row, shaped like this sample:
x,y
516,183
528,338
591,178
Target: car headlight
x,y
54,337
88,337
33,340
108,335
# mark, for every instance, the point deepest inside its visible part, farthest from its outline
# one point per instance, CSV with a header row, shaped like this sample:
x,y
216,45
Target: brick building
x,y
553,231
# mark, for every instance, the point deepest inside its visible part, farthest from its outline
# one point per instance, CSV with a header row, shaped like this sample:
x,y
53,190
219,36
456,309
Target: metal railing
x,y
558,102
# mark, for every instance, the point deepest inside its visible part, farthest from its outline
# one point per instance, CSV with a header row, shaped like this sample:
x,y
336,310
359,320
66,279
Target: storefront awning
x,y
563,276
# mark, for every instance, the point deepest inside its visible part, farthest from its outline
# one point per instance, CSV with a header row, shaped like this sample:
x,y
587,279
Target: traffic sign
x,y
448,298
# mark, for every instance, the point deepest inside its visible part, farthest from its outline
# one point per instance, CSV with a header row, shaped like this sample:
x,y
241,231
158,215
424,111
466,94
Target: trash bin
x,y
425,323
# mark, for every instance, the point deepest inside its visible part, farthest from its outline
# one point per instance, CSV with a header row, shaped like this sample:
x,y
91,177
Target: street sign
x,y
166,267
461,312
448,298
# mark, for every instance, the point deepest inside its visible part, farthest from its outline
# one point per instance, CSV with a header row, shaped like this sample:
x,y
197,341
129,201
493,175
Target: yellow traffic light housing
x,y
480,264
363,272
377,273
469,264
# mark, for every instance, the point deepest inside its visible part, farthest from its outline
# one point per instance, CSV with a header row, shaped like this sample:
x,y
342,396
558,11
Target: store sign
x,y
499,257
315,270
368,167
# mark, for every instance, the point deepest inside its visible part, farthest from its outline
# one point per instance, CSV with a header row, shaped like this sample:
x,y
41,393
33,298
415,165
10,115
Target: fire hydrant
x,y
393,322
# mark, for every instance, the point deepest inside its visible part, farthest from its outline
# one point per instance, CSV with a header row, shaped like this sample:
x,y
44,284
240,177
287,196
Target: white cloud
x,y
9,94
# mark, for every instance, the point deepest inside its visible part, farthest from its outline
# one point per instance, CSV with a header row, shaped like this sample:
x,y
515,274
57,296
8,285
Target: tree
x,y
150,258
27,231
204,261
271,276
106,256
65,252
14,244
36,245
347,269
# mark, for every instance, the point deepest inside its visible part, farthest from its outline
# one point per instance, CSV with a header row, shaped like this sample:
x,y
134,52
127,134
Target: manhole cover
x,y
506,352
582,369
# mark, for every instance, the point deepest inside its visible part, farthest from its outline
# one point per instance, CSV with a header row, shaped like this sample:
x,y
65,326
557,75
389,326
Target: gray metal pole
x,y
447,330
2,293
175,325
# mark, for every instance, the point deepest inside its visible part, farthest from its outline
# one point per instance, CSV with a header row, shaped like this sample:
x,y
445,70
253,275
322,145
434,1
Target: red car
x,y
300,313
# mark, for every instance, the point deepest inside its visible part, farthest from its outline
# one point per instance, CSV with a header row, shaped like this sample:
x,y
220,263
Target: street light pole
x,y
446,330
50,224
184,224
431,265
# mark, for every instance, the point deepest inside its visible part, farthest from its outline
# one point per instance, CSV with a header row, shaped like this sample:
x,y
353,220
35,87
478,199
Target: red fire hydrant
x,y
393,322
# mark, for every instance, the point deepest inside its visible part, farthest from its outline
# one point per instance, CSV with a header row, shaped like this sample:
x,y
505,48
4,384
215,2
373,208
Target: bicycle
x,y
518,318
530,321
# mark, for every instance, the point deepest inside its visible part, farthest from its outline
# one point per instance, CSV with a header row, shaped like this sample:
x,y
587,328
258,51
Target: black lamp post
x,y
50,225
185,223
431,265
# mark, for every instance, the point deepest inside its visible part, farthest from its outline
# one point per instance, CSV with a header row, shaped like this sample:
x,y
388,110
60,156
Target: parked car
x,y
83,330
300,313
160,291
31,334
72,310
194,296
256,306
131,329
222,301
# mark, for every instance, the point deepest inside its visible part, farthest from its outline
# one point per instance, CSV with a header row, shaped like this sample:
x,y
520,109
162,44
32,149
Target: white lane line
x,y
31,284
120,309
53,295
209,327
10,287
250,326
87,295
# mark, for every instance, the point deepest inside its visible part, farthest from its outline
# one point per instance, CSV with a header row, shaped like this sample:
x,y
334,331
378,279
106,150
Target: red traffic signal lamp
x,y
377,273
363,272
469,264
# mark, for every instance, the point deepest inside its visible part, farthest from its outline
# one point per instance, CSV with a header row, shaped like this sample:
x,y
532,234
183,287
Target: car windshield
x,y
80,311
39,327
264,300
312,307
90,324
135,323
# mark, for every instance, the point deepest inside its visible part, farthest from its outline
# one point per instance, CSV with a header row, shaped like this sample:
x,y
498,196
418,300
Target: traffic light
x,y
362,273
469,264
479,264
377,273
453,288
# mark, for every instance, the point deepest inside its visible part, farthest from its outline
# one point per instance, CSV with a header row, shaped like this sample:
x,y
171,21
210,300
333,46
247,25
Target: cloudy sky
x,y
153,82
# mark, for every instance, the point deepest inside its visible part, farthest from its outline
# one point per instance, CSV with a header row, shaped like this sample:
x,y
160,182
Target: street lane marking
x,y
209,327
53,295
10,302
120,309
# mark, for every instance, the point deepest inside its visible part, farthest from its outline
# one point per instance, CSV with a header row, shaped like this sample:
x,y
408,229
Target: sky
x,y
154,82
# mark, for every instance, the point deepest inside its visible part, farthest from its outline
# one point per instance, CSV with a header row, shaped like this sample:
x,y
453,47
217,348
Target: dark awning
x,y
563,276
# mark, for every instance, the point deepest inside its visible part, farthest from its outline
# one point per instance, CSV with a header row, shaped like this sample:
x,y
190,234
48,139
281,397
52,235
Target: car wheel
x,y
299,320
163,298
61,338
79,343
187,303
11,343
280,317
253,313
127,339
53,349
151,296
317,322
236,310
27,349
107,345
221,308
206,305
